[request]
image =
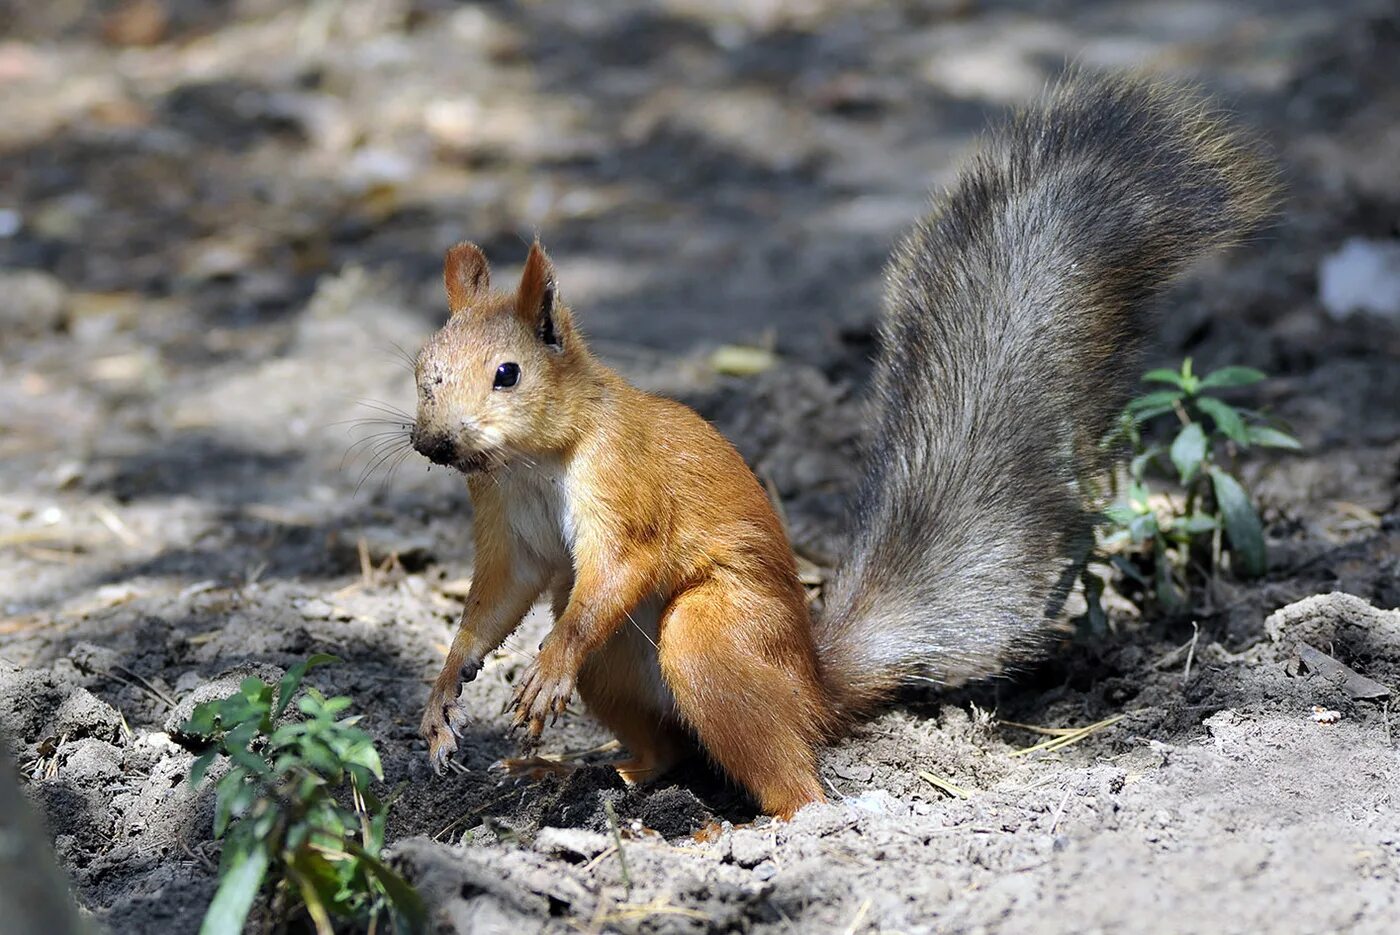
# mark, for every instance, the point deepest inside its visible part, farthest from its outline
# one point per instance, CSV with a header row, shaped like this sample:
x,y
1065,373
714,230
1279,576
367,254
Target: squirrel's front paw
x,y
442,721
542,694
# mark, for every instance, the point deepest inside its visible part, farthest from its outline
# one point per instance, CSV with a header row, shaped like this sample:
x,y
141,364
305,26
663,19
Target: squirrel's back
x,y
1015,316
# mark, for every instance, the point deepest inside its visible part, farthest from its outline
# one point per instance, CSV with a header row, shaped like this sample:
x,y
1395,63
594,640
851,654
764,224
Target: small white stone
x,y
1362,276
1325,715
158,740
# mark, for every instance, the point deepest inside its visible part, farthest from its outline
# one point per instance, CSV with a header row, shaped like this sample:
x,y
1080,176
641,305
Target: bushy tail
x,y
1015,315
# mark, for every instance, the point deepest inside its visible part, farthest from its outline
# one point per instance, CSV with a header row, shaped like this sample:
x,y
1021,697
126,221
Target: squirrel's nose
x,y
436,448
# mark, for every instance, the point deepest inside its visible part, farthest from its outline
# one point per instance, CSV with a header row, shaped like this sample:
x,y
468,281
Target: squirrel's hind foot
x,y
533,768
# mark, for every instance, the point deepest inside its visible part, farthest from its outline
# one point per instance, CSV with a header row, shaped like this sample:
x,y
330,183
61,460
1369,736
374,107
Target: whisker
x,y
390,444
379,459
375,441
381,432
376,457
405,423
645,634
383,407
405,356
395,433
393,469
388,414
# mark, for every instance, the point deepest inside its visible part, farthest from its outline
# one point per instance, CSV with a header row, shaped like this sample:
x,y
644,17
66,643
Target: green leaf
x,y
1169,595
1115,539
264,820
287,688
316,882
241,735
1242,524
1140,463
236,709
403,897
375,843
321,757
1232,376
1265,437
1129,569
228,797
1190,383
1226,419
310,703
334,706
1140,498
242,878
1194,524
1143,527
363,754
1188,451
1147,415
1163,376
201,766
250,761
330,827
286,734
1119,514
255,690
202,720
1161,399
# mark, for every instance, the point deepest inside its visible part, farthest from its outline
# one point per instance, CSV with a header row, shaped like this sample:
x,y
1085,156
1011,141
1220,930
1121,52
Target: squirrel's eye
x,y
507,375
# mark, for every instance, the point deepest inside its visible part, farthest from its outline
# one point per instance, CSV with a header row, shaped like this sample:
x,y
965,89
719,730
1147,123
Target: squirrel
x,y
1015,315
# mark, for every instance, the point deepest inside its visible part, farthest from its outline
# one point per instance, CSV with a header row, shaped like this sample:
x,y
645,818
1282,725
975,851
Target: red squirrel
x,y
1014,319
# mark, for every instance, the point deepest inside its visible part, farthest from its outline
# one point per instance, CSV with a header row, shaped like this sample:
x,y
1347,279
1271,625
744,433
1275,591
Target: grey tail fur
x,y
1015,317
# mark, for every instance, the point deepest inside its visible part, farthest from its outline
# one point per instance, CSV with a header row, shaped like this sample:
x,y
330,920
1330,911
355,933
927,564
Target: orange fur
x,y
678,607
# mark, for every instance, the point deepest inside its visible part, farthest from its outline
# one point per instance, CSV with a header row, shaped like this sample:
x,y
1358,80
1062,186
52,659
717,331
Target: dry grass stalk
x,y
956,791
1064,737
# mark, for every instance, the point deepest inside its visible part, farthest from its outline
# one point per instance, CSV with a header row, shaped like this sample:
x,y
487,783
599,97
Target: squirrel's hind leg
x,y
621,684
741,667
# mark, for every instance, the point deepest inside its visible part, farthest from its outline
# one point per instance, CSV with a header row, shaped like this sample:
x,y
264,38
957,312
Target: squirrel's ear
x,y
538,298
466,274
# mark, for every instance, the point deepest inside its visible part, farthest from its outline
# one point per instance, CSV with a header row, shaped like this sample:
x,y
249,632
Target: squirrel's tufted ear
x,y
466,275
538,298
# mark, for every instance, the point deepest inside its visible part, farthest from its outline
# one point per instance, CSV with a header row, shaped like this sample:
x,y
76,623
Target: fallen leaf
x,y
1356,685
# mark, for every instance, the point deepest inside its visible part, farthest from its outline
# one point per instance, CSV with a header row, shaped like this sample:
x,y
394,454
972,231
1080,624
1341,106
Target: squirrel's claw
x,y
438,756
441,726
540,697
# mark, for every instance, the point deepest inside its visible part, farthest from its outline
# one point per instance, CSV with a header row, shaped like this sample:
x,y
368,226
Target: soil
x,y
220,222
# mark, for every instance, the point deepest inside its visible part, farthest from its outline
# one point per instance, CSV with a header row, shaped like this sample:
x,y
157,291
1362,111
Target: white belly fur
x,y
540,521
543,529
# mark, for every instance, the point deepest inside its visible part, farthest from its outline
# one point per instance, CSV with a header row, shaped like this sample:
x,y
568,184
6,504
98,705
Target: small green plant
x,y
1209,512
277,814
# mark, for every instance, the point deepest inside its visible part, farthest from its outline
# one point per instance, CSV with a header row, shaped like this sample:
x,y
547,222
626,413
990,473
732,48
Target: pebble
x,y
1362,276
35,303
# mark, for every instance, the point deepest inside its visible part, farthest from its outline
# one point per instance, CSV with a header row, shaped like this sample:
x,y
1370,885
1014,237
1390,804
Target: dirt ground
x,y
220,221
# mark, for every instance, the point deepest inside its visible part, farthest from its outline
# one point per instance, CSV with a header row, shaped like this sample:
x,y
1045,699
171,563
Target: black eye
x,y
507,375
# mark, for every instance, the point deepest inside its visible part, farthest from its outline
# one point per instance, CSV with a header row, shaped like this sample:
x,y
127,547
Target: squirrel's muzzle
x,y
438,449
442,449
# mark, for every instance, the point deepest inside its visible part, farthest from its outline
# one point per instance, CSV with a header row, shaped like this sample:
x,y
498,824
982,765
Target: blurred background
x,y
219,219
221,230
